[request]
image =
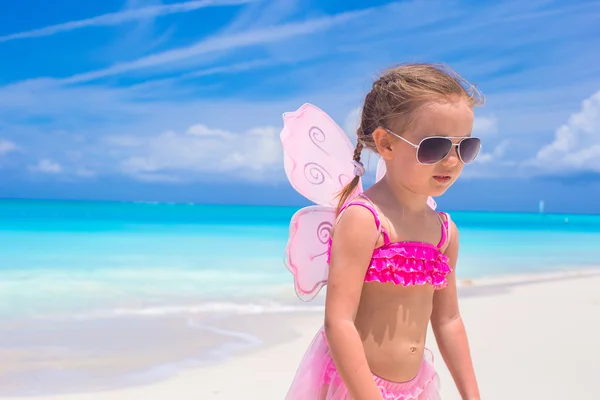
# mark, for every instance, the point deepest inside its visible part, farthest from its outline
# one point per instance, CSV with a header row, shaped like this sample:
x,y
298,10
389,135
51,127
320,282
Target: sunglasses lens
x,y
469,148
433,150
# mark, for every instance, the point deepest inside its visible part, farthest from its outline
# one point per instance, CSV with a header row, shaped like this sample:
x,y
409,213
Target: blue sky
x,y
181,101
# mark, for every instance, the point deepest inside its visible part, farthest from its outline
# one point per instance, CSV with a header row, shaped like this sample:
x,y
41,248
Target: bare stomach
x,y
392,322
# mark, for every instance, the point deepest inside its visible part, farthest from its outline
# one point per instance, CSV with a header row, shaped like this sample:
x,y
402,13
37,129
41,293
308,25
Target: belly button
x,y
413,349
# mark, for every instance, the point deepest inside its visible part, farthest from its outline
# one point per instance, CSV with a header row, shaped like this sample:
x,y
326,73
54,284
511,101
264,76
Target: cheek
x,y
422,173
412,172
405,163
406,158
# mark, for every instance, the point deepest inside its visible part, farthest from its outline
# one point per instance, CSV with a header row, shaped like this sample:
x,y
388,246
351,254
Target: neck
x,y
410,201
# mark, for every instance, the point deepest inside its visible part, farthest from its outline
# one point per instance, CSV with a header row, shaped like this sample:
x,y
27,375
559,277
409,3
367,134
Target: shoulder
x,y
452,233
358,213
356,228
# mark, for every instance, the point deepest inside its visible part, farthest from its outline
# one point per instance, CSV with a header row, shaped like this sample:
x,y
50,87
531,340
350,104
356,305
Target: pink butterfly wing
x,y
317,155
318,163
306,251
381,172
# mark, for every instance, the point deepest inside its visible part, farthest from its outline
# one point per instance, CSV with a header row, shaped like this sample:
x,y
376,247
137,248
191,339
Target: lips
x,y
442,178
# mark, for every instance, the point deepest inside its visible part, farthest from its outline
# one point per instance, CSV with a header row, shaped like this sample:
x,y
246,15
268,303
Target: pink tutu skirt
x,y
318,379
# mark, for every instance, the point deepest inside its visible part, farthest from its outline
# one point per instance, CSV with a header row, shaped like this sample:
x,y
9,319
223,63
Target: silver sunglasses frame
x,y
416,146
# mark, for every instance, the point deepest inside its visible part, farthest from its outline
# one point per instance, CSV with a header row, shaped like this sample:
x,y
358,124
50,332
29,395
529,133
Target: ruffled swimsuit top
x,y
406,263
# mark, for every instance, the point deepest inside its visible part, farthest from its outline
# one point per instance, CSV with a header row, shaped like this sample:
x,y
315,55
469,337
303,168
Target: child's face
x,y
450,119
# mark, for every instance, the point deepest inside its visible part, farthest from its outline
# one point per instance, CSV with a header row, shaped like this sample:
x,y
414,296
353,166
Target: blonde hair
x,y
395,97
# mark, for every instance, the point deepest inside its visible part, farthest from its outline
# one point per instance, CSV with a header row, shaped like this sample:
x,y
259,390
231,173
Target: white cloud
x,y
493,156
173,156
7,147
261,14
576,144
121,17
203,130
228,69
47,167
485,125
221,43
85,172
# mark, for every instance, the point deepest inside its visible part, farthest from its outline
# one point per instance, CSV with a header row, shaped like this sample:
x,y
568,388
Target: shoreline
x,y
239,336
528,277
283,299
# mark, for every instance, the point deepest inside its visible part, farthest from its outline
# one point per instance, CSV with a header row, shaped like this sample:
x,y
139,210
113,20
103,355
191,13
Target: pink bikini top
x,y
406,263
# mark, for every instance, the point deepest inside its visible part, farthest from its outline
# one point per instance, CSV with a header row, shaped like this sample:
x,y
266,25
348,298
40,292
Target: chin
x,y
438,189
435,192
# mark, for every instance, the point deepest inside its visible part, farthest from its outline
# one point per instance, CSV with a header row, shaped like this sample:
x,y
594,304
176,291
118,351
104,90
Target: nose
x,y
452,158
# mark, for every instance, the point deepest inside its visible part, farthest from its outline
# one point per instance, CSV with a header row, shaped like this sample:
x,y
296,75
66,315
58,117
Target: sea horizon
x,y
297,205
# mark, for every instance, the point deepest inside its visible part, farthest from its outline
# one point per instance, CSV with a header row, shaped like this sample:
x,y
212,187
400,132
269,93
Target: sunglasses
x,y
434,149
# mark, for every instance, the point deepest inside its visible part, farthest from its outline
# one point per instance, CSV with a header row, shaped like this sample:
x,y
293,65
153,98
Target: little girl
x,y
392,258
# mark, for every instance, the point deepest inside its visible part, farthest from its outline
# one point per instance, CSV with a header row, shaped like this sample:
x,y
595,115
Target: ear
x,y
383,141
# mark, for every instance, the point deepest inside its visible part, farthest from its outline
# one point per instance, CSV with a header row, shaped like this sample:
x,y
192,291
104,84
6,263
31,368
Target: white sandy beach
x,y
536,340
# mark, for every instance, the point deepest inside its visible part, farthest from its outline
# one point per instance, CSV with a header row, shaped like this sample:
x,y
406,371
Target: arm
x,y
449,329
352,248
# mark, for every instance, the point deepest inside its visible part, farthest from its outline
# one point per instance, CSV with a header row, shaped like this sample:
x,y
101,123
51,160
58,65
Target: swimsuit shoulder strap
x,y
445,220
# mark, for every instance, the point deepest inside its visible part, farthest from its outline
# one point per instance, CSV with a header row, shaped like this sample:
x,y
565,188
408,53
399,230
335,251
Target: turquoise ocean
x,y
91,259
